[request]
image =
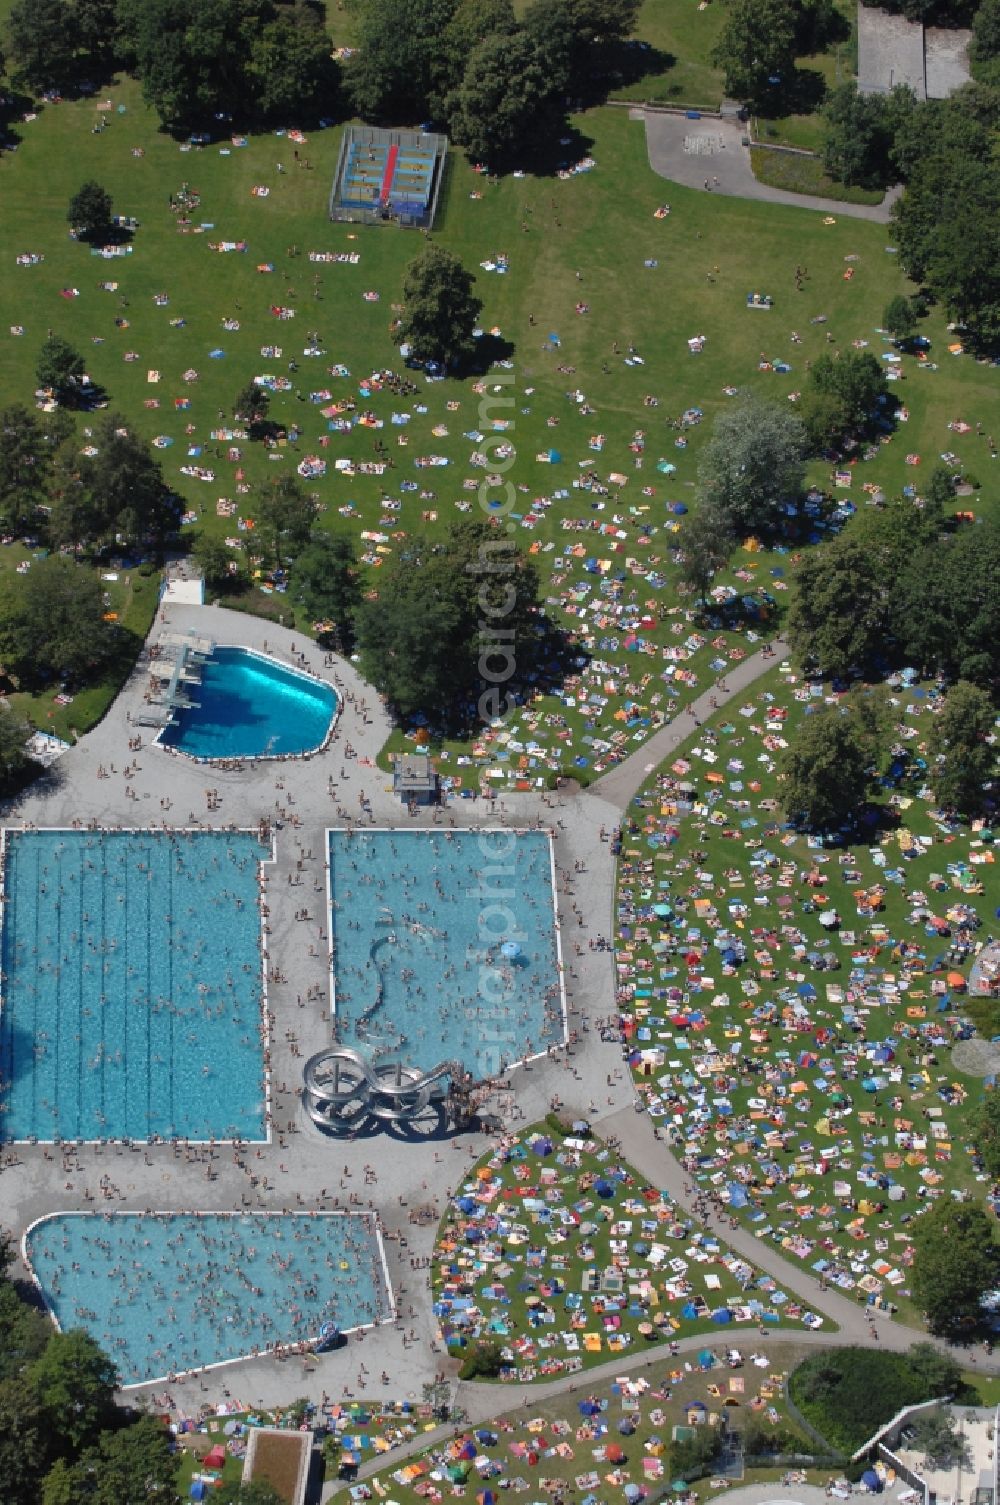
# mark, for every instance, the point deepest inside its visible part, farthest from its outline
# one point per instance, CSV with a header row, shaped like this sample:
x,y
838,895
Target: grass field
x,y
708,254
561,1253
551,1449
849,1075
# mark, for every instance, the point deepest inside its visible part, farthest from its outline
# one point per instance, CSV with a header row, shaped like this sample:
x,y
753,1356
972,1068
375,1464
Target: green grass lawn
x,y
806,1145
709,253
567,1254
638,1415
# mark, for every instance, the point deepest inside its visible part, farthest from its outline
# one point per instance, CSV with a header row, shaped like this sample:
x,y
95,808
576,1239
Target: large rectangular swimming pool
x,y
168,1292
445,946
132,985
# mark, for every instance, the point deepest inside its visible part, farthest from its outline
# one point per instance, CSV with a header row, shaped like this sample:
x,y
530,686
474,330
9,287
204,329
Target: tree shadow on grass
x,y
623,66
800,94
488,351
556,150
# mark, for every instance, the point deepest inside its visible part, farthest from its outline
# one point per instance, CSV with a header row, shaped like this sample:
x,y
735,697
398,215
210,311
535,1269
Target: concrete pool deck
x,y
300,1169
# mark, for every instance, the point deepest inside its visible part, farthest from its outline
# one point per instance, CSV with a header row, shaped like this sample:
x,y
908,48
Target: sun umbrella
x,y
679,1486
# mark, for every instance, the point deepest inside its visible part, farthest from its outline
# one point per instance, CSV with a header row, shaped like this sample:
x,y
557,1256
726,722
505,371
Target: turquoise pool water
x,y
249,706
166,1292
132,989
419,925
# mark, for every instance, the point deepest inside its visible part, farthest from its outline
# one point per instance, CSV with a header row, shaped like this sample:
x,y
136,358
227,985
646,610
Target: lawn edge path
x,y
620,785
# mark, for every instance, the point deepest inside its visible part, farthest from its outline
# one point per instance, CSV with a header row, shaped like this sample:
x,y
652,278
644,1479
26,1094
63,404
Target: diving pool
x,y
132,986
445,946
250,706
167,1292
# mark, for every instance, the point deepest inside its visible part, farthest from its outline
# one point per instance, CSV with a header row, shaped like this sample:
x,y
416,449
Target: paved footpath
x,y
621,784
724,161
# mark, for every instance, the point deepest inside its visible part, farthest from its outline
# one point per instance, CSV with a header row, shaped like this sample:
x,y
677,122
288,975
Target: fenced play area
x,y
388,177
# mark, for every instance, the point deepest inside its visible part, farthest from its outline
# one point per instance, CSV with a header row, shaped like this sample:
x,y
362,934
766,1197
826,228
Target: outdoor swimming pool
x,y
249,706
166,1292
131,1002
445,946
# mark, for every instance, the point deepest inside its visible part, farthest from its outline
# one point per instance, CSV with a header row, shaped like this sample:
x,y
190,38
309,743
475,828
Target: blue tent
x,y
604,1188
871,1480
589,1408
722,1315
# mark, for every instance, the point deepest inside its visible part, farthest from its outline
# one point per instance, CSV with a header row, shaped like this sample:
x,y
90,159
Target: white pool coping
x,y
308,1216
478,831
214,831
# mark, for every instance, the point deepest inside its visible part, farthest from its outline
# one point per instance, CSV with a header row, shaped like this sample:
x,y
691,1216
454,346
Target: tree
x,y
24,1442
439,307
858,139
854,384
695,1452
578,39
25,463
752,467
252,406
75,1382
707,540
473,22
985,1131
824,770
290,72
985,49
285,515
454,627
848,1393
62,1485
756,48
41,43
505,100
60,370
216,559
963,744
200,59
132,1465
938,1372
941,1442
946,605
945,223
899,318
940,495
52,623
818,23
96,27
127,489
955,1263
328,585
485,1360
398,62
839,613
91,212
14,733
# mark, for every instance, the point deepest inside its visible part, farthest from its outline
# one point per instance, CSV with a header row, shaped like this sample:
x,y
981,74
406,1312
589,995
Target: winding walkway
x,y
619,785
